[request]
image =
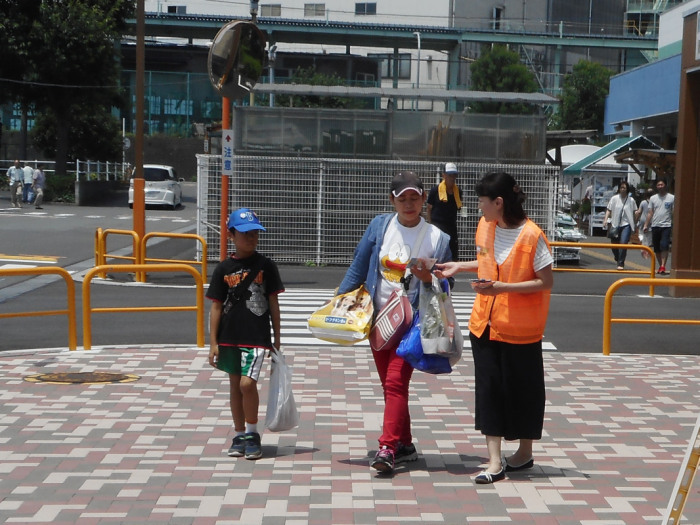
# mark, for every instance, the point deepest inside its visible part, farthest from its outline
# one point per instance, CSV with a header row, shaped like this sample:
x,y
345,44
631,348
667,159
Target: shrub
x,y
60,188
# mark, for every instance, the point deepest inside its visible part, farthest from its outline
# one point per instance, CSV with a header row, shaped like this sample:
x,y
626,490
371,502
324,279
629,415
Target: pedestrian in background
x,y
640,217
27,195
244,290
444,203
514,267
15,176
620,219
660,219
380,263
38,184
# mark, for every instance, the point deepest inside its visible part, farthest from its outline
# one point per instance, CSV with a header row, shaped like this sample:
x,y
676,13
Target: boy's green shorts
x,y
241,361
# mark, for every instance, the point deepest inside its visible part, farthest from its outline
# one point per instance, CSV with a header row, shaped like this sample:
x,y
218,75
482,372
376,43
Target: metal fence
x,y
316,210
81,169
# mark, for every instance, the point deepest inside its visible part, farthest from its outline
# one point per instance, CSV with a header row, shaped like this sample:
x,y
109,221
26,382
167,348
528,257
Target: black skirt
x,y
509,388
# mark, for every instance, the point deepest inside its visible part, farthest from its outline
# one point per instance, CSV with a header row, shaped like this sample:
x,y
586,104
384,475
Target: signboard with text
x,y
227,152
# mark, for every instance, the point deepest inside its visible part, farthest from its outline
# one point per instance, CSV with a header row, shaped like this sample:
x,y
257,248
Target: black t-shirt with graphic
x,y
246,321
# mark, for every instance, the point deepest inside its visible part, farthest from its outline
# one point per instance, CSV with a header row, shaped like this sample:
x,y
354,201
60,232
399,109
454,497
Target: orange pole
x,y
225,124
139,213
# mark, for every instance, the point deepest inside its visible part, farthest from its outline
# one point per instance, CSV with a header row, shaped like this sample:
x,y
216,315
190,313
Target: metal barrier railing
x,y
129,268
607,310
202,263
139,250
641,247
101,249
70,311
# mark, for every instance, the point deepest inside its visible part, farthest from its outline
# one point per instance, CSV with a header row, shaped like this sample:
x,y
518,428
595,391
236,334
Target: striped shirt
x,y
505,240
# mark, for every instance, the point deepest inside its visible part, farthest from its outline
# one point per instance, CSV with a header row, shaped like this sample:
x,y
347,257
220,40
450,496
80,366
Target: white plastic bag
x,y
281,409
439,332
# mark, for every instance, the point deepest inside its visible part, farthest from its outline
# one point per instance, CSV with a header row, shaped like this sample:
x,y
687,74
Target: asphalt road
x,y
65,234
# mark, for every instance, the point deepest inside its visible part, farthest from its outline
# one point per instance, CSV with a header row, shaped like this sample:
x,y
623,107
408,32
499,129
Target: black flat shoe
x,y
486,478
512,468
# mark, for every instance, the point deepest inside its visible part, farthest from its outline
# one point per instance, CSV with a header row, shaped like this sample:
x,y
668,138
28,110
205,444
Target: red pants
x,y
395,375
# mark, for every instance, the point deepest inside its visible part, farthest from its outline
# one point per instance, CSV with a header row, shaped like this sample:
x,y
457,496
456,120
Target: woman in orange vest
x,y
514,268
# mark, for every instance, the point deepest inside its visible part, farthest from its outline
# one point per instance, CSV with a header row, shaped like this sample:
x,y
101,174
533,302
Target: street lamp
x,y
417,34
272,56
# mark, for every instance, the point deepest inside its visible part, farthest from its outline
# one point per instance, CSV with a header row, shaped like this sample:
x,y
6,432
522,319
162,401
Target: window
x,y
314,9
177,9
271,10
364,78
366,8
386,65
497,15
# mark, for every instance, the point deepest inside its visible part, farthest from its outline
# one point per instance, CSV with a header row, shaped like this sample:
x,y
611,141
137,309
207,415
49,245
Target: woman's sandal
x,y
512,468
486,478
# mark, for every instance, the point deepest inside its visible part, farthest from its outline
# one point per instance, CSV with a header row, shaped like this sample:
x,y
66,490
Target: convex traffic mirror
x,y
236,59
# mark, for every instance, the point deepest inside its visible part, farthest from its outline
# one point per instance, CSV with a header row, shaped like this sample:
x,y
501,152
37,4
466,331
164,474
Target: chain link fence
x,y
316,210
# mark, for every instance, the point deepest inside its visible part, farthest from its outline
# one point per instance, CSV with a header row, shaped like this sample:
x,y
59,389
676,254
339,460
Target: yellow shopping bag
x,y
345,320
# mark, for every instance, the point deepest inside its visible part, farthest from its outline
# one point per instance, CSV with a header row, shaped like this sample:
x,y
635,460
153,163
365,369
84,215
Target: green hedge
x,y
60,188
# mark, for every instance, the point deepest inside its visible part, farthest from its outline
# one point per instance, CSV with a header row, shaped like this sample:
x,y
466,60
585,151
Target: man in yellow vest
x,y
444,203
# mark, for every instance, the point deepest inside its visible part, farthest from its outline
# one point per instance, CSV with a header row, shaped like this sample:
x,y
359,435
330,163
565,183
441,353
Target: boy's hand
x,y
213,355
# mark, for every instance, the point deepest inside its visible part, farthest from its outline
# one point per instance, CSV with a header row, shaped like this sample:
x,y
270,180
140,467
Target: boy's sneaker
x,y
237,447
405,453
253,449
384,460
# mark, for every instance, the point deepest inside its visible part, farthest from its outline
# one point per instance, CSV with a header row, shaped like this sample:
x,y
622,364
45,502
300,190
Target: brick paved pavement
x,y
153,450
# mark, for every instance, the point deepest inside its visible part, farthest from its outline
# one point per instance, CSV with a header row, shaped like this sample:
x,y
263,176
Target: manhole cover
x,y
82,377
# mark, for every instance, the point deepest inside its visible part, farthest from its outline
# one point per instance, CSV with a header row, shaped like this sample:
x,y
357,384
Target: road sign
x,y
227,152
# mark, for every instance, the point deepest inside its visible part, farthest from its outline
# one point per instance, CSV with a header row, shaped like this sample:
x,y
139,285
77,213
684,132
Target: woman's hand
x,y
446,270
421,272
485,287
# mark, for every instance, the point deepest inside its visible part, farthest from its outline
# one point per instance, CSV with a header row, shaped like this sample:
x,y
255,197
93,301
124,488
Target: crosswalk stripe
x,y
296,305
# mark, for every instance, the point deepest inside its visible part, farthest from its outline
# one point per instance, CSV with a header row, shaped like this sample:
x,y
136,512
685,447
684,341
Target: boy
x,y
244,291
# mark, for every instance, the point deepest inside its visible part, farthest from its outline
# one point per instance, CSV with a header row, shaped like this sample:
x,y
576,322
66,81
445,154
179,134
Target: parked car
x,y
162,187
566,230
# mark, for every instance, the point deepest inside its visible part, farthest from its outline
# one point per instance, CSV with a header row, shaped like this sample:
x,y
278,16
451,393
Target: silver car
x,y
162,187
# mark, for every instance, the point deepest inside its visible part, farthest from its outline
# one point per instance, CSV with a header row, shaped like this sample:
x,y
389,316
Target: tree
x,y
309,76
69,63
95,135
16,44
499,70
583,96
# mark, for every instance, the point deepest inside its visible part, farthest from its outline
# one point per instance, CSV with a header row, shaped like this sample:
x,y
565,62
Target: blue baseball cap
x,y
244,220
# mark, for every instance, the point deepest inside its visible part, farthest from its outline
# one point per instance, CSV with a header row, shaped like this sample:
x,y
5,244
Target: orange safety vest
x,y
517,318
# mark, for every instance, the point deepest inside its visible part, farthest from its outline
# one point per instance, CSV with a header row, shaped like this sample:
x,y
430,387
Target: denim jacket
x,y
365,267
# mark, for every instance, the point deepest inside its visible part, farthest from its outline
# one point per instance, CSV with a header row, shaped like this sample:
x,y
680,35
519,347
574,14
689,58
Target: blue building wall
x,y
646,91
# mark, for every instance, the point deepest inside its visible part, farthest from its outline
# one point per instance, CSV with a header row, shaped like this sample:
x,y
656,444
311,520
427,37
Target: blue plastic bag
x,y
411,350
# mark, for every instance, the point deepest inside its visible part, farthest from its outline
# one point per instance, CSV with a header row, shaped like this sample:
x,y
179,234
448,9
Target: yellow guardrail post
x,y
70,311
607,308
194,236
136,246
129,268
652,258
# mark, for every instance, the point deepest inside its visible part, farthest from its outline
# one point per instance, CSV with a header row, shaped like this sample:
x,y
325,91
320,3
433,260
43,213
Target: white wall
x,y
671,28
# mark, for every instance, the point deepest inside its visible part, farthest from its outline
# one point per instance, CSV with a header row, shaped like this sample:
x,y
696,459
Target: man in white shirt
x,y
27,195
660,219
16,178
